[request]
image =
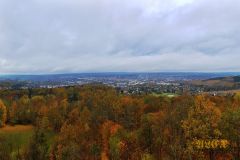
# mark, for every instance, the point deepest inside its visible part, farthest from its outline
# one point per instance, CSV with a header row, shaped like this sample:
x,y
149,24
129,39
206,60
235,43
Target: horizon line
x,y
112,72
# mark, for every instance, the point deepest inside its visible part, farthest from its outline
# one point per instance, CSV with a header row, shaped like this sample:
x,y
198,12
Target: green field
x,y
170,95
15,138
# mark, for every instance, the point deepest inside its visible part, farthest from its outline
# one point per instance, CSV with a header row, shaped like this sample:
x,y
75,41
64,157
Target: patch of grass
x,y
16,137
170,95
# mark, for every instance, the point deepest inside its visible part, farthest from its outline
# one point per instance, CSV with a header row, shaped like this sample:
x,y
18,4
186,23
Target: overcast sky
x,y
56,36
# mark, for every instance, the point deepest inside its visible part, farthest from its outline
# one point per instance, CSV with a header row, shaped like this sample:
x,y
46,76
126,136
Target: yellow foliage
x,y
3,114
211,144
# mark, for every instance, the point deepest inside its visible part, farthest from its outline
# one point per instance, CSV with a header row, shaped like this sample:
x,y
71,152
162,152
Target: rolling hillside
x,y
231,81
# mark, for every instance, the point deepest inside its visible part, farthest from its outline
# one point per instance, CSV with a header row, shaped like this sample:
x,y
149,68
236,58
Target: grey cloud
x,y
46,36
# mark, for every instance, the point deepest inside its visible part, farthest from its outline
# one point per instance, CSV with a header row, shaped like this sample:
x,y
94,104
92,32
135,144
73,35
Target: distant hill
x,y
230,81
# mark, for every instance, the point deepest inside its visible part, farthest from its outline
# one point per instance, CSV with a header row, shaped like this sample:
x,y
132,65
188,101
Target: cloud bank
x,y
56,36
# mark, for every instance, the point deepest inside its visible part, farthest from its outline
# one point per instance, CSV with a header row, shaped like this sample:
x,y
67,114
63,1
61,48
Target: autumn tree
x,y
57,114
3,114
230,127
130,112
24,112
202,122
174,113
13,113
145,136
74,140
236,100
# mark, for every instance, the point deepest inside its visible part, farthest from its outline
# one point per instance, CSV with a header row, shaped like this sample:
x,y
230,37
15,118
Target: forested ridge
x,y
94,122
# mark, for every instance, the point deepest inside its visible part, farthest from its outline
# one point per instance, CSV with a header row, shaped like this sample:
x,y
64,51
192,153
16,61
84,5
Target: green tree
x,y
145,134
38,147
230,127
114,148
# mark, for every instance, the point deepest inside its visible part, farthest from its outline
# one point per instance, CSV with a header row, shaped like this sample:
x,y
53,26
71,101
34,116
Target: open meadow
x,y
15,138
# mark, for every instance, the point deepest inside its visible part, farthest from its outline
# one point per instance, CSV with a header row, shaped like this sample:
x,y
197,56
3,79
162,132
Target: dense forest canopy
x,y
94,122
